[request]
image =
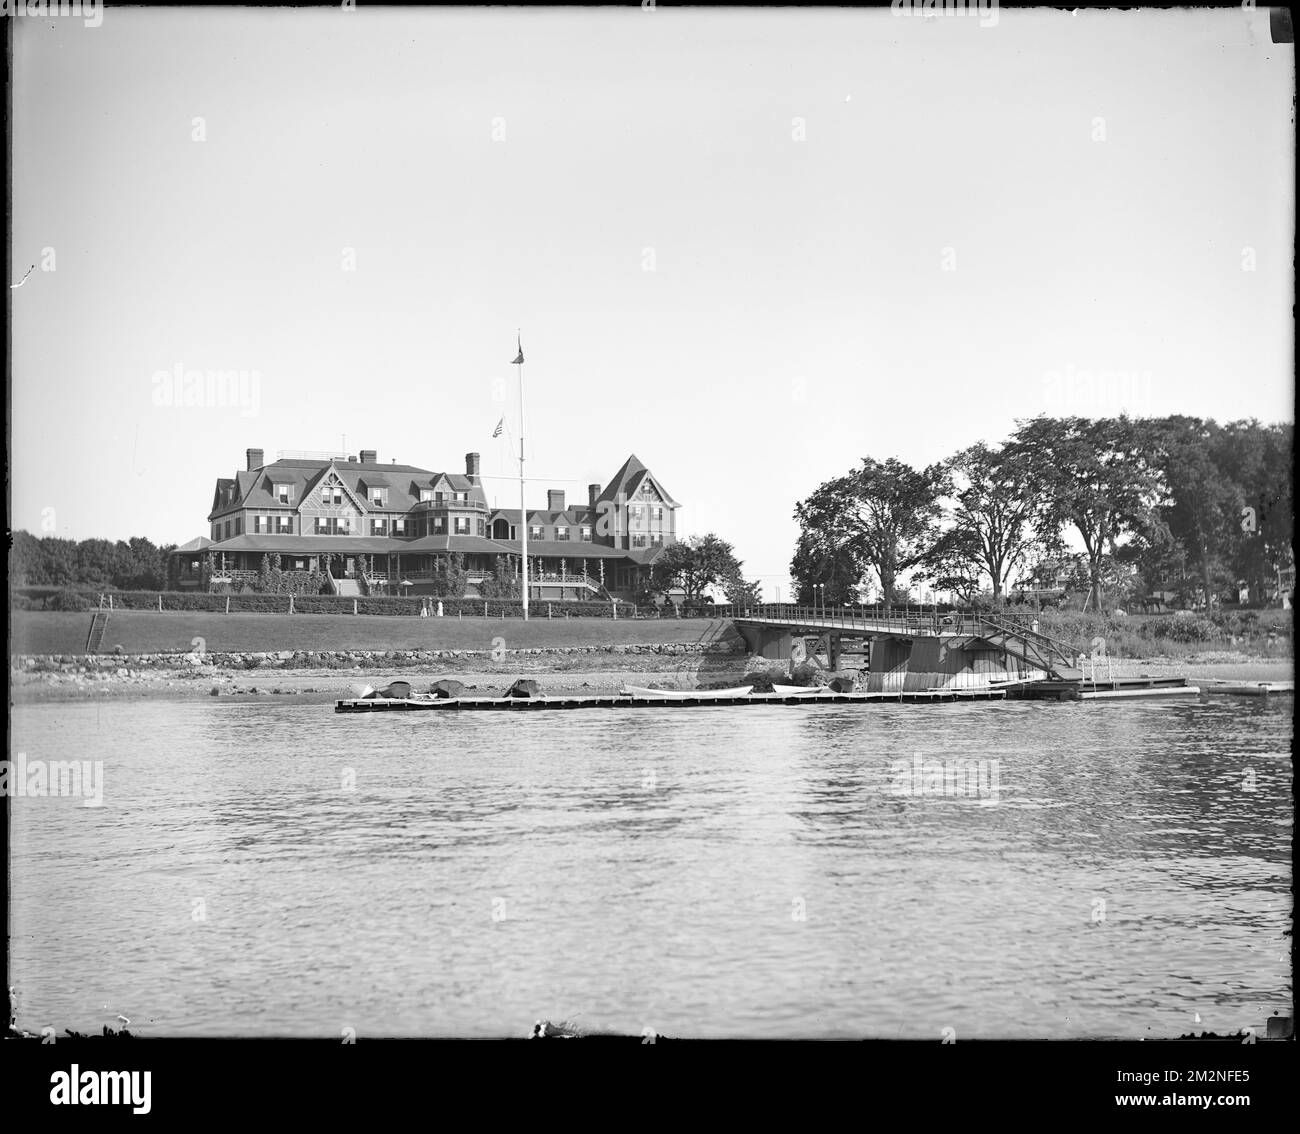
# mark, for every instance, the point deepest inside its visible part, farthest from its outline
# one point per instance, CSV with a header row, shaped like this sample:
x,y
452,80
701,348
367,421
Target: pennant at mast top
x,y
519,358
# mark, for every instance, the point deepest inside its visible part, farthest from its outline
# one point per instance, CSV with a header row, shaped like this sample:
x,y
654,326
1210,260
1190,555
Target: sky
x,y
751,247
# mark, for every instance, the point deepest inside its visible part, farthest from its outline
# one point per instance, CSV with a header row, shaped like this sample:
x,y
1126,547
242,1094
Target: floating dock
x,y
1250,688
631,701
1109,689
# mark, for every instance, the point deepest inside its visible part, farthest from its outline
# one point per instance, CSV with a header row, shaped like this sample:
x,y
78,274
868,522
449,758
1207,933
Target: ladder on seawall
x,y
98,624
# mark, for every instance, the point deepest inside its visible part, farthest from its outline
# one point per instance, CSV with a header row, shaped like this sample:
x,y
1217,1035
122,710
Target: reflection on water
x,y
271,869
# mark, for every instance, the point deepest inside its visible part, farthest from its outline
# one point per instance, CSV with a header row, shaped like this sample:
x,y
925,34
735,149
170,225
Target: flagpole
x,y
523,510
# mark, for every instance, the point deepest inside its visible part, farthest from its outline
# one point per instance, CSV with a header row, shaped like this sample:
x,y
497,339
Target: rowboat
x,y
691,694
794,690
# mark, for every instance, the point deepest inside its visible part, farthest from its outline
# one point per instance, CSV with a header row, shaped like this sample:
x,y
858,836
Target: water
x,y
649,868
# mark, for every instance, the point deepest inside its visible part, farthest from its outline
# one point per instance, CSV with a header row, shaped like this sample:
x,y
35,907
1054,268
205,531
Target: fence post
x,y
227,603
354,606
290,602
548,610
159,603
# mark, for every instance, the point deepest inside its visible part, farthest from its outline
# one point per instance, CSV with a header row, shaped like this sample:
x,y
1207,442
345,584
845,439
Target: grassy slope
x,y
144,632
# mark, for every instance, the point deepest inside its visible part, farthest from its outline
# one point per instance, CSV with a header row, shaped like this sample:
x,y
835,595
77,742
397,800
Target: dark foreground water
x,y
271,869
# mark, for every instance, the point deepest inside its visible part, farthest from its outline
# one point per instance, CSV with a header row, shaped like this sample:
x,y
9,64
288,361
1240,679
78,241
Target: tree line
x,y
1156,503
135,564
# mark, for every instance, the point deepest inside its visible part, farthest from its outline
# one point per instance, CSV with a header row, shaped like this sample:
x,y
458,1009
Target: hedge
x,y
23,598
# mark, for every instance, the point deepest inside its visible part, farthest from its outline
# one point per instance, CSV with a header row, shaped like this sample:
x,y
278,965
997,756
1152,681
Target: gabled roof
x,y
618,484
200,544
629,478
316,482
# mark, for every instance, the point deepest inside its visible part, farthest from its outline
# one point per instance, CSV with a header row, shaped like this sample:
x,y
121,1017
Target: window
x,y
657,540
586,533
300,564
482,527
439,497
461,525
635,512
657,514
216,531
284,525
460,497
378,527
561,533
399,527
440,525
239,525
284,493
331,494
333,525
638,540
535,531
426,495
227,529
379,497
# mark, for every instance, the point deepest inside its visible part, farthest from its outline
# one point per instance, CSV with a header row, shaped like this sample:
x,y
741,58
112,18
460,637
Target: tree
x,y
741,593
1198,503
694,564
1095,476
954,564
817,562
991,532
501,584
450,576
882,516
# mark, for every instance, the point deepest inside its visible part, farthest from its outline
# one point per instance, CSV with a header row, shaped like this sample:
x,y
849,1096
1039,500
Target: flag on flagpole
x,y
500,426
519,358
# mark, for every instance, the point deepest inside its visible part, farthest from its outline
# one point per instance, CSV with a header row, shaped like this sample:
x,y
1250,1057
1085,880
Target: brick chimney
x,y
471,466
593,491
254,459
370,456
555,500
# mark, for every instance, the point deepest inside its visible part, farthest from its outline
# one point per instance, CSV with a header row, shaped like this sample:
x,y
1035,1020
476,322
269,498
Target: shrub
x,y
70,600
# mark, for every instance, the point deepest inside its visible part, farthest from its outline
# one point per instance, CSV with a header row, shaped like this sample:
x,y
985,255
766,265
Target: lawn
x,y
148,632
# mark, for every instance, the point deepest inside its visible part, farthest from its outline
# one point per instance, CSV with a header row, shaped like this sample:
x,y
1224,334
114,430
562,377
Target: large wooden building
x,y
390,529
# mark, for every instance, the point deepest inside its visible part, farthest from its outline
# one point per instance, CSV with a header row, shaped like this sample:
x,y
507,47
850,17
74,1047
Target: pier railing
x,y
904,619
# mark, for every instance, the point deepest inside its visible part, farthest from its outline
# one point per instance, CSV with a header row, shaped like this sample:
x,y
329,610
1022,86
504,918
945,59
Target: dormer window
x,y
284,493
561,533
460,497
586,533
535,531
426,495
379,497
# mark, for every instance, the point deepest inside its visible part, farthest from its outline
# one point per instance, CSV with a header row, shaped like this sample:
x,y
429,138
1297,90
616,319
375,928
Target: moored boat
x,y
684,694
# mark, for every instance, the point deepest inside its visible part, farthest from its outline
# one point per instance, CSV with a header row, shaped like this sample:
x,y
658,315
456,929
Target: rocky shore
x,y
327,675
331,674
